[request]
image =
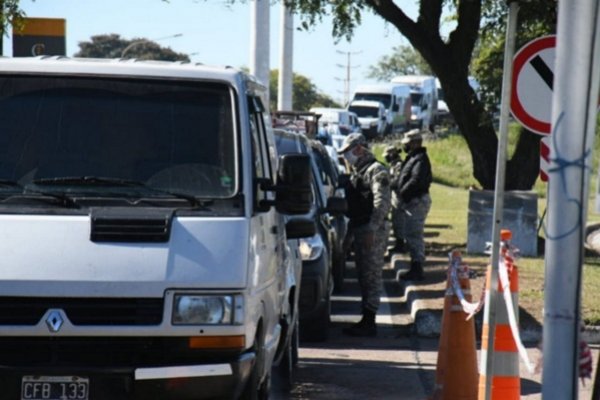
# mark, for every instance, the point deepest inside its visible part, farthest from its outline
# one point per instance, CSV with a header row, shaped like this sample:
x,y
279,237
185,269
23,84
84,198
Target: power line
x,y
348,67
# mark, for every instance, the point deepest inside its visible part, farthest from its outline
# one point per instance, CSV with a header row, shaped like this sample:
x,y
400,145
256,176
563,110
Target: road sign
x,y
533,78
40,36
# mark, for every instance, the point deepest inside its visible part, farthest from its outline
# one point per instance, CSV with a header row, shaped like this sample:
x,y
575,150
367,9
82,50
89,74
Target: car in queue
x,y
316,251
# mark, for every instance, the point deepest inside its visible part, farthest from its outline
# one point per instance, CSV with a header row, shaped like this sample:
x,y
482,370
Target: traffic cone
x,y
506,381
456,372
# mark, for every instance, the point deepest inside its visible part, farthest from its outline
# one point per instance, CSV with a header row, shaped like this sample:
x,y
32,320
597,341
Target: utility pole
x,y
259,42
348,67
286,53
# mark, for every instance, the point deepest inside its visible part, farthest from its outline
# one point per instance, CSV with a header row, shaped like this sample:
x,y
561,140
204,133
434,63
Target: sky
x,y
214,32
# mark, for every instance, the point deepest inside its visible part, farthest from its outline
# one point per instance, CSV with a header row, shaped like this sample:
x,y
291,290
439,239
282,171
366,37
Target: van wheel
x,y
288,363
255,389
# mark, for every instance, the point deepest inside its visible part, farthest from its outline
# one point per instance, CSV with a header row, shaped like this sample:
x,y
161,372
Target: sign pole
x,y
487,360
574,109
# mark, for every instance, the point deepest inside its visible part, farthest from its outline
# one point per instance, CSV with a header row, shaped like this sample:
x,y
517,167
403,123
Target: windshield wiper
x,y
108,181
9,183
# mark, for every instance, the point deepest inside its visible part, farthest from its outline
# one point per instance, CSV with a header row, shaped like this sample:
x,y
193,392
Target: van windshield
x,y
386,99
168,135
365,112
415,98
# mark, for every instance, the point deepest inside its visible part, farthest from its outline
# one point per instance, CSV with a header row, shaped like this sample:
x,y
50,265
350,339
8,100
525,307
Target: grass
x,y
452,170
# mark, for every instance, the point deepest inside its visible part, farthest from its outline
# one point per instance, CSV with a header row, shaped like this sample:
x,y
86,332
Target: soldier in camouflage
x,y
392,156
368,196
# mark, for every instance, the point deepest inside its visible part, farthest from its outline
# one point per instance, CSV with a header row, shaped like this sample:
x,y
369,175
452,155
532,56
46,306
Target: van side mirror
x,y
395,107
293,189
297,228
336,205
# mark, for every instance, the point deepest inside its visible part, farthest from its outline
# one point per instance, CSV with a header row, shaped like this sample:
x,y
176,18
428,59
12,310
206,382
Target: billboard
x,y
40,36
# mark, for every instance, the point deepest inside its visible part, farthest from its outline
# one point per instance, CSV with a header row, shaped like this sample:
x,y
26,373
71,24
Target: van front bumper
x,y
206,375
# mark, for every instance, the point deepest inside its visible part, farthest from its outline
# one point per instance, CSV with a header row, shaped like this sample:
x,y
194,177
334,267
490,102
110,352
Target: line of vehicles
x,y
382,109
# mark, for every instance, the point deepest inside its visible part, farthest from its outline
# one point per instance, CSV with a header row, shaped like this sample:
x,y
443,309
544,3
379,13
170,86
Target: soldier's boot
x,y
414,274
366,327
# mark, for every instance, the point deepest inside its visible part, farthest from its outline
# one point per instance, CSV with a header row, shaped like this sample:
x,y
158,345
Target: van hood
x,y
53,256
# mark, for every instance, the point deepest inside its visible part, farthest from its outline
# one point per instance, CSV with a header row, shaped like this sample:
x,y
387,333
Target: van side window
x,y
260,153
257,159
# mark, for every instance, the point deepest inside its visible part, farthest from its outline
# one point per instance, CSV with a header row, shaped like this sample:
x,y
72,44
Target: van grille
x,y
83,311
133,230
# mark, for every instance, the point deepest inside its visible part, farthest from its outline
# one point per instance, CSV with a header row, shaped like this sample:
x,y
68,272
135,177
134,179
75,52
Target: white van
x,y
424,100
371,115
142,231
346,121
396,101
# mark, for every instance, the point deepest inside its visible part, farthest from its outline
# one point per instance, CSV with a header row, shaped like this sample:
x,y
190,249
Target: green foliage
x,y
404,60
10,15
113,46
536,18
305,93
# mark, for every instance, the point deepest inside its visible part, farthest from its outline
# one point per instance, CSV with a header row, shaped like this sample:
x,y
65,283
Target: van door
x,y
266,250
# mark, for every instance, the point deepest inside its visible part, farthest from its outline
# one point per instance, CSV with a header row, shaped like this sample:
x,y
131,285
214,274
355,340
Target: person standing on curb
x,y
392,156
368,196
413,189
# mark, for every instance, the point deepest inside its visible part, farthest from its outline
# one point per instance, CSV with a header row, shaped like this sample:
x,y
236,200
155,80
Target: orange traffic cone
x,y
456,372
506,381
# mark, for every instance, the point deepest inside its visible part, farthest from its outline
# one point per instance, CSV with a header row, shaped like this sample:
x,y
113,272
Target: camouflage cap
x,y
411,136
352,140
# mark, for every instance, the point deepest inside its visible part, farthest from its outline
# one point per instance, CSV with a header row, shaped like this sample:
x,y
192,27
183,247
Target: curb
x,y
426,312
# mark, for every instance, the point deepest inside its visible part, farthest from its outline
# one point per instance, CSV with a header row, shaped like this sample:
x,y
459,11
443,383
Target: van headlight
x,y
311,248
201,309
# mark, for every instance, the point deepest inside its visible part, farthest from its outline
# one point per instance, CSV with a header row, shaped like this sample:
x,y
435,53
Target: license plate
x,y
54,388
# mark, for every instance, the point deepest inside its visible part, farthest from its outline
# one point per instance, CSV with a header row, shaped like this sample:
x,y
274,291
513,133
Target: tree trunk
x,y
449,59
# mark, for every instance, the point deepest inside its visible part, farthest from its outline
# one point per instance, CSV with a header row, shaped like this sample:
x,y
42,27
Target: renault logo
x,y
54,321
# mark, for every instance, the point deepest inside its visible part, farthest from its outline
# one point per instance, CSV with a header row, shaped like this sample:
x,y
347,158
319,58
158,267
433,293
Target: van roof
x,y
119,68
412,79
366,103
386,87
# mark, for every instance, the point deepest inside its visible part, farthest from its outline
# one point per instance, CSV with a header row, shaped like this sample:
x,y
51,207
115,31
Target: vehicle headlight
x,y
413,116
311,248
374,123
199,309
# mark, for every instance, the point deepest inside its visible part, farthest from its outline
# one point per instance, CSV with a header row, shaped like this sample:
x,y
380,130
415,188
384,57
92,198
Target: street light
x,y
135,43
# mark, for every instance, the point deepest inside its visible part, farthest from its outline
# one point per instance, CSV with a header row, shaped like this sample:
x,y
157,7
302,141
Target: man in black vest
x,y
413,192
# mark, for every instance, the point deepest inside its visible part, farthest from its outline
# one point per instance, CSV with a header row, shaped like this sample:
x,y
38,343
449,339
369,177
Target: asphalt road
x,y
394,365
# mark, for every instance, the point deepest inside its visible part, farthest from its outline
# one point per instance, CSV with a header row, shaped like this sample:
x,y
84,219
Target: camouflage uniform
x,y
397,211
370,175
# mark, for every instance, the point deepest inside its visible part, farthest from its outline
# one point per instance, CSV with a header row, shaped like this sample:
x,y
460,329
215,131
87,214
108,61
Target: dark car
x,y
316,251
330,177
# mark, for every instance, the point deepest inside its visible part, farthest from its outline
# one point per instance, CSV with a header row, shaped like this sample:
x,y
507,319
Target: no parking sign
x,y
533,78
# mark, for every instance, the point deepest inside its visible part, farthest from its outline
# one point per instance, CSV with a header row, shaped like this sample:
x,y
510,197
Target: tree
x,y
449,59
304,93
10,15
404,60
113,46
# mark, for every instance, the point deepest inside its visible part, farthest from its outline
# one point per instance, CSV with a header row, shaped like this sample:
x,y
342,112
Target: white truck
x,y
371,115
395,99
423,92
145,250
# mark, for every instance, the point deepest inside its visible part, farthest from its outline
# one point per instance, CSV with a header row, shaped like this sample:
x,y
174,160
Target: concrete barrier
x,y
520,216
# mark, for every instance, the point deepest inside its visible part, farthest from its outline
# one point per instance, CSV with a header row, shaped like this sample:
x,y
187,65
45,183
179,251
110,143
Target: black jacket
x,y
415,175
